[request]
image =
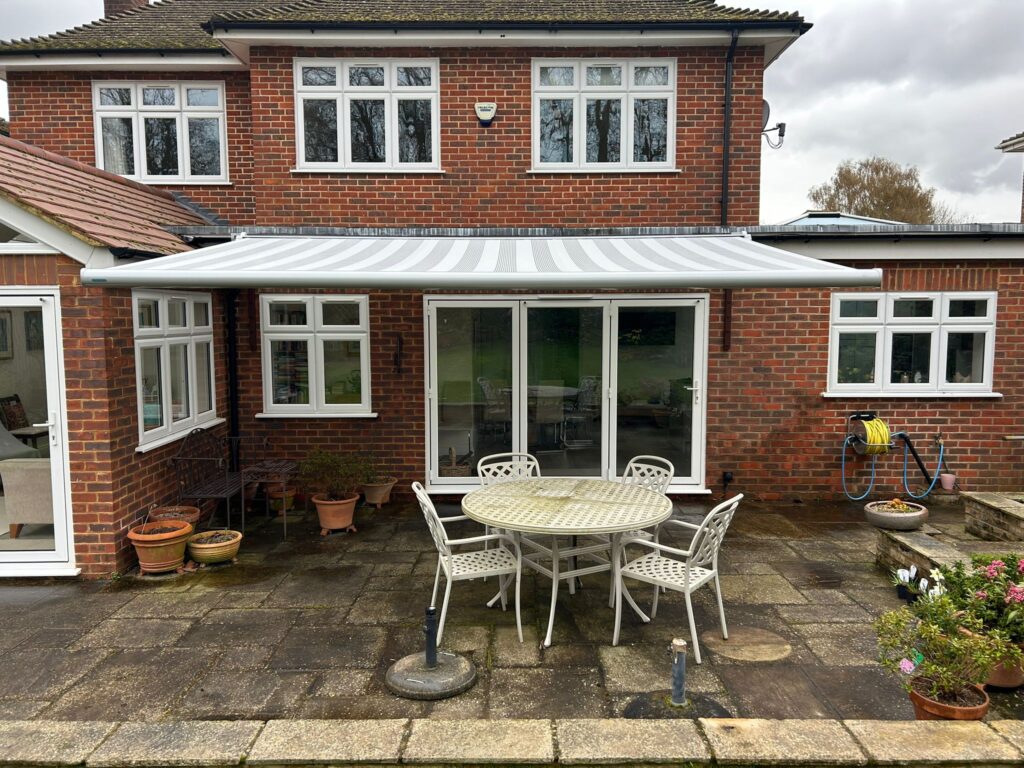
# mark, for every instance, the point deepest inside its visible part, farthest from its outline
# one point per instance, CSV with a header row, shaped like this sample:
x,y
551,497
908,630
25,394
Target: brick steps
x,y
995,516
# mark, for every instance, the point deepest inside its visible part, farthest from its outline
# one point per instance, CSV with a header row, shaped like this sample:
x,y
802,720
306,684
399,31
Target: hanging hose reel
x,y
868,435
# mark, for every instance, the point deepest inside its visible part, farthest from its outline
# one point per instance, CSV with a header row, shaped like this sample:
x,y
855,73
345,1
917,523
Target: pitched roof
x,y
178,25
1012,144
95,206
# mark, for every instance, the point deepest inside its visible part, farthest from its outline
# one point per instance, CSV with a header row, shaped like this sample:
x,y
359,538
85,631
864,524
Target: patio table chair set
x,y
544,534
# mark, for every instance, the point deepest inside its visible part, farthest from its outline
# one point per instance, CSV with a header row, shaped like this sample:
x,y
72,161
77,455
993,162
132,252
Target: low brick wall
x,y
994,516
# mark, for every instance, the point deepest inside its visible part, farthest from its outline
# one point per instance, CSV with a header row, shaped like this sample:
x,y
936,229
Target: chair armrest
x,y
479,539
684,553
681,524
453,519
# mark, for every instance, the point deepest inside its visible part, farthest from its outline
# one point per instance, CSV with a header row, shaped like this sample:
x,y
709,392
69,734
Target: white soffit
x,y
728,261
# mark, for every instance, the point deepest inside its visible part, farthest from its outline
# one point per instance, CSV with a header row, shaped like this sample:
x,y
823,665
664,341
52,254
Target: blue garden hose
x,y
871,485
935,475
906,481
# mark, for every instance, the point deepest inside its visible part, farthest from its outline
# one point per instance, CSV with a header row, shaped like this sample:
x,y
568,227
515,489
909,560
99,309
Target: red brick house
x,y
442,228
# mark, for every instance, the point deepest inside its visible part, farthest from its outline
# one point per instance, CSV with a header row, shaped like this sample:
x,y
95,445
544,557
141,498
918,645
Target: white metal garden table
x,y
568,507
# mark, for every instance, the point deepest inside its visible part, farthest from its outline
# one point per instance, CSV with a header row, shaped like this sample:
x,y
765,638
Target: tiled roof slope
x,y
423,12
168,25
178,25
1012,144
95,206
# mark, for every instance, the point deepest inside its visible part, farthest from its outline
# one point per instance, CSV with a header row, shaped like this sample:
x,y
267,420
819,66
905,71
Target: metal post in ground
x,y
431,674
678,673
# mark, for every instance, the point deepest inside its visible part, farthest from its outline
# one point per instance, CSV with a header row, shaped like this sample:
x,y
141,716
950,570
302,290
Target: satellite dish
x,y
766,113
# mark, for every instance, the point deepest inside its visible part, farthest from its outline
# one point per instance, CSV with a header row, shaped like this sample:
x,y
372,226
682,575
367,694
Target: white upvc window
x,y
161,132
604,115
316,354
912,343
367,115
174,363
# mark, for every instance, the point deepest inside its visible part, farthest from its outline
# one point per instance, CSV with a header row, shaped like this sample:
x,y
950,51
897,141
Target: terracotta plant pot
x,y
281,499
160,545
929,709
875,514
335,515
378,494
203,550
947,481
1002,675
189,514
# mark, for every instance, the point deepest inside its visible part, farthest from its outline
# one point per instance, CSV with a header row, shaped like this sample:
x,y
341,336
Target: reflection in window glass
x,y
341,313
289,372
319,76
176,313
965,358
414,76
149,313
858,308
158,97
204,146
968,308
204,377
202,97
342,372
604,130
604,75
152,389
415,144
118,145
856,358
179,382
115,97
288,313
655,75
650,130
556,128
161,146
911,358
320,130
366,76
368,130
912,308
201,310
558,76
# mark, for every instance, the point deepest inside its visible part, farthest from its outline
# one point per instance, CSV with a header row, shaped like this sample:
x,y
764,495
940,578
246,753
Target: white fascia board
x,y
142,277
114,62
1017,145
42,231
905,250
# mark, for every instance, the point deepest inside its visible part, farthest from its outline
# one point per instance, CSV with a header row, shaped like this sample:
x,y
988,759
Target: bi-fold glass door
x,y
583,385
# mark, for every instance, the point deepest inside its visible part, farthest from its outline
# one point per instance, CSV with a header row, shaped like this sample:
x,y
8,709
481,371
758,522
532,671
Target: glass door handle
x,y
50,426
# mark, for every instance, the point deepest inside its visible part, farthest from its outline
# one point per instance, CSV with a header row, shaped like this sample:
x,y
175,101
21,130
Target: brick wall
x,y
487,179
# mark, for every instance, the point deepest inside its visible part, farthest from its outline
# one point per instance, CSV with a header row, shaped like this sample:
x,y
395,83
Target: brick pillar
x,y
110,7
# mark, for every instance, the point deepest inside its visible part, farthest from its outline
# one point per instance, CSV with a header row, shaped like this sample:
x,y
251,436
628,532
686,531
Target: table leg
x,y
554,591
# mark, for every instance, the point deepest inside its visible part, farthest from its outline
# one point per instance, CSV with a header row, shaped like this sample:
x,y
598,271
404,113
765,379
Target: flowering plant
x,y
991,589
924,643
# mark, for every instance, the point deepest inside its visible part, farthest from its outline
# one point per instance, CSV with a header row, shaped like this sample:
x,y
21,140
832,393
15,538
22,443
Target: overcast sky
x,y
935,83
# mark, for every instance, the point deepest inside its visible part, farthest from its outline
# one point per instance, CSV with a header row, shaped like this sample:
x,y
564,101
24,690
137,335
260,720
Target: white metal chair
x,y
502,561
502,467
682,570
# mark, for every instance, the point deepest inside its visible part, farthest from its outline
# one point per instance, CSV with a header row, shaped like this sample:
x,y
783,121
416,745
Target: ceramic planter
x,y
875,513
189,514
929,709
335,515
203,550
947,481
160,545
378,494
281,499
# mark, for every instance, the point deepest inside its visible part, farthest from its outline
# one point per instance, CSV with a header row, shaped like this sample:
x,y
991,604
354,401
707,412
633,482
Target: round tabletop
x,y
565,506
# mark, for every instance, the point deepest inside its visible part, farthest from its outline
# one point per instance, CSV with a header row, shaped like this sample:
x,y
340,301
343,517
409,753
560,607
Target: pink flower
x,y
906,666
994,569
1015,594
981,594
1020,566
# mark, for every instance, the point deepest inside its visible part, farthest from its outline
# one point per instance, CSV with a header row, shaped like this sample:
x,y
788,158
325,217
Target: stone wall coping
x,y
725,741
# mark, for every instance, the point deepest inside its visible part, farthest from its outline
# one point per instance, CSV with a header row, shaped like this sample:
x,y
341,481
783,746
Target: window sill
x,y
904,395
316,416
370,171
591,171
173,438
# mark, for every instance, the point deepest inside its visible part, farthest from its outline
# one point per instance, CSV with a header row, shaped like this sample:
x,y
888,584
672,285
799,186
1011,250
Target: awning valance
x,y
540,263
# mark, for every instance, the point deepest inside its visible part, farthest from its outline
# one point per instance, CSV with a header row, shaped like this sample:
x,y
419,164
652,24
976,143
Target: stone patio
x,y
304,629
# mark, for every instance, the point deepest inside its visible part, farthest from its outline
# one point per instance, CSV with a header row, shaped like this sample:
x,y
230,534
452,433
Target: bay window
x,y
912,343
367,115
161,132
591,114
316,356
174,363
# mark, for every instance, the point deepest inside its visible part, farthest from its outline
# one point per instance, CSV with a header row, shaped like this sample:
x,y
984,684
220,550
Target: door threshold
x,y
37,570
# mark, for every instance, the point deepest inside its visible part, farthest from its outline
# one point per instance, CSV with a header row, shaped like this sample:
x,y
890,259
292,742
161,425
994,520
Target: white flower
x,y
903,575
937,576
913,572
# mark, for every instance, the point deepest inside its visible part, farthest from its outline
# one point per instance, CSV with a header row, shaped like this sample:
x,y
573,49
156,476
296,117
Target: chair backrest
x,y
437,531
502,467
12,412
707,541
651,472
588,397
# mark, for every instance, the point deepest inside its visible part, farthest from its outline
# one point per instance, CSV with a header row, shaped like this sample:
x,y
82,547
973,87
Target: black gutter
x,y
725,26
730,58
101,52
119,252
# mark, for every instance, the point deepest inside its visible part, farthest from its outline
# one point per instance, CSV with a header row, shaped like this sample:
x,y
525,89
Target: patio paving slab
x,y
932,742
760,590
861,693
850,645
239,626
43,673
314,648
173,605
480,741
253,694
342,682
588,742
823,614
135,633
774,691
44,743
1011,730
298,742
177,744
781,742
638,669
543,692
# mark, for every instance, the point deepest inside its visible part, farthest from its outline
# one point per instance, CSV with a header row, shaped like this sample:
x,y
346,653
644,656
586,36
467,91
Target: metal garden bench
x,y
203,469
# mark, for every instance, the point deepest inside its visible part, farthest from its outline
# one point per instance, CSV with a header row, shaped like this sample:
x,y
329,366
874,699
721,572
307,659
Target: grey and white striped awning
x,y
543,263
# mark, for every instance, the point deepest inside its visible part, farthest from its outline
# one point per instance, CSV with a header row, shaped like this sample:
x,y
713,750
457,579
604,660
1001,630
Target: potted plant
x,y
939,664
377,488
895,514
160,544
214,546
184,512
282,498
336,478
991,590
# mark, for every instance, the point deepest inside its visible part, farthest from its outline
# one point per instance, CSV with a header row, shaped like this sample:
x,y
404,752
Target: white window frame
x,y
342,94
180,112
163,337
885,324
315,332
627,93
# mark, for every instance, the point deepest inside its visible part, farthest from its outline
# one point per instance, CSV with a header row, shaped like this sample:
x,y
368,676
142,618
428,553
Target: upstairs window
x,y
912,343
591,114
161,132
372,115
